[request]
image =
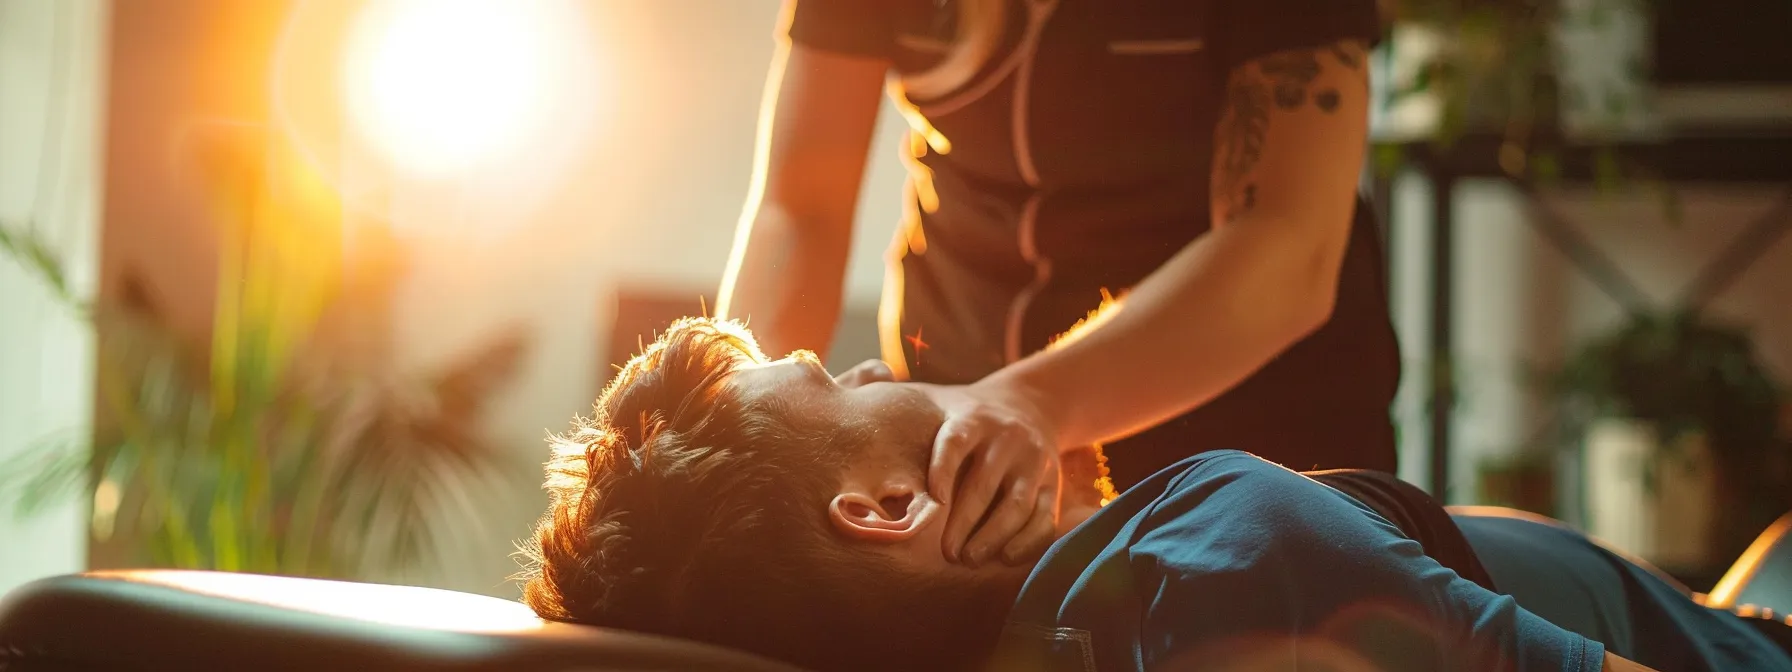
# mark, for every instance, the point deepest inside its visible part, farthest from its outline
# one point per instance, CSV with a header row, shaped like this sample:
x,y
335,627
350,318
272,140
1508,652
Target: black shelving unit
x,y
1685,157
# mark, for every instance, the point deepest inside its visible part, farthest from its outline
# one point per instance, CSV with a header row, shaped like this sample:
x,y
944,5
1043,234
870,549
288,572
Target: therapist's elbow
x,y
1291,303
1300,310
1313,311
1313,293
1317,286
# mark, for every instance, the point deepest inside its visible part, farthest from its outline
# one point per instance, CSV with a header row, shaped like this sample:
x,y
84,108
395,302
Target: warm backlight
x,y
441,86
390,605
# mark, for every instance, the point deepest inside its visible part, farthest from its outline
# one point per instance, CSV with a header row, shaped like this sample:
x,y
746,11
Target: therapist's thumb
x,y
865,373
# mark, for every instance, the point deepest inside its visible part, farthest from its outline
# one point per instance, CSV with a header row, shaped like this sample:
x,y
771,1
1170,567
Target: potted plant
x,y
281,444
1522,479
1535,75
1680,423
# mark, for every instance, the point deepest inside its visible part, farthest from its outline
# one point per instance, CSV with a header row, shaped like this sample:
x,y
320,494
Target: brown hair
x,y
682,509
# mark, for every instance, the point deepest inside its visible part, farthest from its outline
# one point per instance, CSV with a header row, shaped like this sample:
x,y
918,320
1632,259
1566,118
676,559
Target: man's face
x,y
883,502
889,475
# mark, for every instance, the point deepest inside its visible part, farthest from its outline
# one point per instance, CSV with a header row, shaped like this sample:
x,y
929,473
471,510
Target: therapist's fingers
x,y
1040,529
1007,515
865,373
982,482
951,446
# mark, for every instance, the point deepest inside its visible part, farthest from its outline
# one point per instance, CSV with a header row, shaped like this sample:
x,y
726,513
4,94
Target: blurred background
x,y
299,287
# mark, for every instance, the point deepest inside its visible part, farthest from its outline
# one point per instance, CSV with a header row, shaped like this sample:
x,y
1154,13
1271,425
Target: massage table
x,y
186,620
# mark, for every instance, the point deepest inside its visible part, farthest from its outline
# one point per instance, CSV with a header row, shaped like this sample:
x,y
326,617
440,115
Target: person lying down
x,y
721,496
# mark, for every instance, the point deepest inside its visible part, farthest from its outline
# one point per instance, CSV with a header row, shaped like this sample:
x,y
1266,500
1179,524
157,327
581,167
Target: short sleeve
x,y
851,27
1256,28
1249,561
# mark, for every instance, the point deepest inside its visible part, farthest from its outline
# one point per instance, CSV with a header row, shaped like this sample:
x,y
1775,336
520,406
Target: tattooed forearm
x,y
1280,82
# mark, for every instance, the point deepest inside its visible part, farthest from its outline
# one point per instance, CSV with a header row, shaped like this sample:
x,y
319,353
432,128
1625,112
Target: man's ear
x,y
890,513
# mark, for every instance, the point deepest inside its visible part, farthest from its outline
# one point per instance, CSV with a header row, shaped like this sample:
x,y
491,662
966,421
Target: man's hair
x,y
684,509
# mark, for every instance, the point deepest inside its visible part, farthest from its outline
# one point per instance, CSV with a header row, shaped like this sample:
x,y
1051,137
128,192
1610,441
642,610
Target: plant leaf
x,y
52,468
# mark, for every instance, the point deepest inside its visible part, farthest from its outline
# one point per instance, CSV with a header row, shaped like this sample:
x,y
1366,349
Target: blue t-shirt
x,y
1228,561
1565,577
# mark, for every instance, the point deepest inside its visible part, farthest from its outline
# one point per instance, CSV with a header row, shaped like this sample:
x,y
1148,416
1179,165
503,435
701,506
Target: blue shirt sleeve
x,y
1242,562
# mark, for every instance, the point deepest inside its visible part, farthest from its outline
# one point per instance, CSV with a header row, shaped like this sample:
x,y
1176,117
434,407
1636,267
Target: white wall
x,y
52,62
1507,291
654,199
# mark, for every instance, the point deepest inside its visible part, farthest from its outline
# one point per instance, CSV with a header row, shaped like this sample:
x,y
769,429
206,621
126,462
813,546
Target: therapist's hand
x,y
865,373
995,460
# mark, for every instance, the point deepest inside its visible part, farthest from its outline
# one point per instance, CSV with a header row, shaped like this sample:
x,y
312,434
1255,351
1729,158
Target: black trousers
x,y
1418,515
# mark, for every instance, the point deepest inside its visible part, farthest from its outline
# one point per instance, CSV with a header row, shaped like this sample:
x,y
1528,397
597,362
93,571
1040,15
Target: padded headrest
x,y
213,620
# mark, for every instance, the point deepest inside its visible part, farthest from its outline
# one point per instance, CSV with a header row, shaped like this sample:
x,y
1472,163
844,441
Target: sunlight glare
x,y
440,86
403,606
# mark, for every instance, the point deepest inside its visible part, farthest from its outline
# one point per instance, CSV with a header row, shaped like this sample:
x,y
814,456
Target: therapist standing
x,y
1196,160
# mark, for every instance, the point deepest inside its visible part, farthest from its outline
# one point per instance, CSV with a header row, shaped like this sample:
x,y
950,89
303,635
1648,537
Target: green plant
x,y
276,449
36,258
1680,372
1691,378
1496,71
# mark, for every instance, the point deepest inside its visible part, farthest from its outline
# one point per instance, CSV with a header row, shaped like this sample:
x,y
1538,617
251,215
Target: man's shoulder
x,y
1205,489
1212,514
1213,464
1233,477
1233,494
1217,497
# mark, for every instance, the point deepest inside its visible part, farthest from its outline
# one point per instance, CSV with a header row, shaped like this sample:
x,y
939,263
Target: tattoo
x,y
1240,137
1291,73
1280,81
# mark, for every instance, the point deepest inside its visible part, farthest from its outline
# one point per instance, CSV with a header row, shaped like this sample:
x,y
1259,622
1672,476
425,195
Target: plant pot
x,y
1653,501
1526,482
1686,504
1619,510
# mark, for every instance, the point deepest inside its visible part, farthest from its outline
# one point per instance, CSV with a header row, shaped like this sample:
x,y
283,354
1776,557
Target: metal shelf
x,y
1760,155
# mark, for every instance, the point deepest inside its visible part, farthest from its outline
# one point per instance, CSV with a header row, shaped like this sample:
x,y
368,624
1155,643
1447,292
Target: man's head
x,y
722,497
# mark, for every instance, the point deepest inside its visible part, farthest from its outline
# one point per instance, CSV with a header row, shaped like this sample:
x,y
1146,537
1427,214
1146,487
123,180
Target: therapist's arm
x,y
1288,152
788,265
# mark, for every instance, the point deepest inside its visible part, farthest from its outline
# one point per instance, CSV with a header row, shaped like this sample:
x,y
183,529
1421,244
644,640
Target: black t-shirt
x,y
1079,161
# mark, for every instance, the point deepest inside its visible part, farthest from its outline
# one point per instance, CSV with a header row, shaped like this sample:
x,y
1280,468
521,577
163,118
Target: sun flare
x,y
441,86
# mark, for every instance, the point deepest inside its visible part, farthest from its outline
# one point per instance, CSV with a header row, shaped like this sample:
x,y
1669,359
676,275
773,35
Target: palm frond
x,y
269,448
24,246
52,468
